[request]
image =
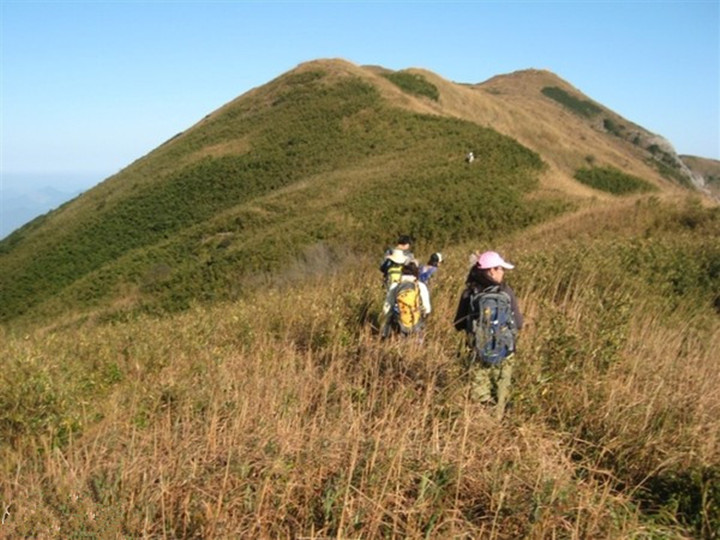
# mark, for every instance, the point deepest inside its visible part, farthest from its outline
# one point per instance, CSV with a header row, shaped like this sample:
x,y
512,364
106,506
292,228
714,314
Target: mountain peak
x,y
321,154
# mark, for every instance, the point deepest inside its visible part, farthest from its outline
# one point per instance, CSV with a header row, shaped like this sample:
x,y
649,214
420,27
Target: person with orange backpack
x,y
407,304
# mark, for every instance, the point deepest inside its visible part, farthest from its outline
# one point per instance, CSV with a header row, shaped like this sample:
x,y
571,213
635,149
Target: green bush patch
x,y
275,180
691,497
582,107
612,181
412,83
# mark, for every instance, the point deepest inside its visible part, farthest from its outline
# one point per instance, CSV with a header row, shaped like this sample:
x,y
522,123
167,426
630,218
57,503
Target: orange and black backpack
x,y
407,310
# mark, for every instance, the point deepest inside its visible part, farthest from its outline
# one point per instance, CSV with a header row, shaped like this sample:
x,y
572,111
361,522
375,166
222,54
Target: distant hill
x,y
19,208
335,158
708,170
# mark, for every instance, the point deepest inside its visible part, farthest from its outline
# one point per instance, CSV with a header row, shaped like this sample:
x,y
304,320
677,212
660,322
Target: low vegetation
x,y
250,419
190,350
180,225
583,107
615,128
413,83
612,180
666,163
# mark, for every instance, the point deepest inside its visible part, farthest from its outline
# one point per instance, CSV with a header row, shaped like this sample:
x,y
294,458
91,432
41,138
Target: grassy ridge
x,y
269,408
249,419
155,242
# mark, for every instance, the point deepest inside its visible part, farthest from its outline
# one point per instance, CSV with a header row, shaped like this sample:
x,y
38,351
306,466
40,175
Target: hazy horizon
x,y
25,196
77,93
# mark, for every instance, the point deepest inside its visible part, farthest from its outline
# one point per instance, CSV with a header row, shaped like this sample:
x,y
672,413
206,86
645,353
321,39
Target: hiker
x,y
488,313
392,267
404,243
470,157
427,270
394,259
407,304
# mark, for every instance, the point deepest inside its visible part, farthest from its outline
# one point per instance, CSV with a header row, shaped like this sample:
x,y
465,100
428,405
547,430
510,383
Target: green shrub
x,y
413,83
582,107
612,180
691,496
612,127
267,205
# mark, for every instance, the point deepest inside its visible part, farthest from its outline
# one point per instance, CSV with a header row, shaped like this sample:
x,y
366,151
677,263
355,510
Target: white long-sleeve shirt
x,y
424,295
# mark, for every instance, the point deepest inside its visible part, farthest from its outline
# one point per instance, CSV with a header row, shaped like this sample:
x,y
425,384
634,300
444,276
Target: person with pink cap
x,y
488,312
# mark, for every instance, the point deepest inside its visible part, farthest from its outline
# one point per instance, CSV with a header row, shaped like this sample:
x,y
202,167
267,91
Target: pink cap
x,y
491,259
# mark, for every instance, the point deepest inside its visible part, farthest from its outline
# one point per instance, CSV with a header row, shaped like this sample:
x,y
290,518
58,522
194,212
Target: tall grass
x,y
285,416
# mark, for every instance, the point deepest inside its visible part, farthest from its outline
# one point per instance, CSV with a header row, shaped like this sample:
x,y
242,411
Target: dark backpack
x,y
492,324
407,311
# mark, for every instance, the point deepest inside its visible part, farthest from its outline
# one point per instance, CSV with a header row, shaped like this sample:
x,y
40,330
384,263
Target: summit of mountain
x,y
331,156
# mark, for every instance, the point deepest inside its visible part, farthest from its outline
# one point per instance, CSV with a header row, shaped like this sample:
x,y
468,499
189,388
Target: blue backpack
x,y
426,272
492,325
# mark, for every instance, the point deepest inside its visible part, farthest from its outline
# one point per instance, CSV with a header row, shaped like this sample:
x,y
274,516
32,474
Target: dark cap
x,y
410,268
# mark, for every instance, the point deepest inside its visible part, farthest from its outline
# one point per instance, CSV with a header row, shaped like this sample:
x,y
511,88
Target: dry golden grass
x,y
284,416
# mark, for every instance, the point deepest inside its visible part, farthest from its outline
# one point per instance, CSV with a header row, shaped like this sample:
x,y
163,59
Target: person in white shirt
x,y
395,311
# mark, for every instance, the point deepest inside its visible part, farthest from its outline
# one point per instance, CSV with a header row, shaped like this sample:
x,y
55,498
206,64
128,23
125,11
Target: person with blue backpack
x,y
427,270
489,314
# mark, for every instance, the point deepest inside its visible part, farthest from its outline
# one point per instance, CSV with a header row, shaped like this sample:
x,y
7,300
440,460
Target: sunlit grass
x,y
283,415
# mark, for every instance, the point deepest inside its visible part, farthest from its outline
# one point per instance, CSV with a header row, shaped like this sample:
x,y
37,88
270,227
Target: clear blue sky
x,y
86,88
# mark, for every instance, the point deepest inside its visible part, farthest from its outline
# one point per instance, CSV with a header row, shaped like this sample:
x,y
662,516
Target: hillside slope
x,y
708,170
284,416
266,406
320,158
565,127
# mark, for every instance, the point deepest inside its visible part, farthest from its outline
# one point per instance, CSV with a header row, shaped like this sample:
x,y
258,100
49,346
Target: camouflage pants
x,y
490,383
